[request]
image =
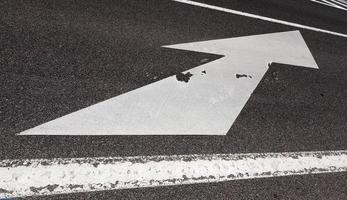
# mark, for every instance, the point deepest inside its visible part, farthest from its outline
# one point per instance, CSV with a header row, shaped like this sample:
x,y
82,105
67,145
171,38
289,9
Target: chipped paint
x,y
35,177
243,76
183,77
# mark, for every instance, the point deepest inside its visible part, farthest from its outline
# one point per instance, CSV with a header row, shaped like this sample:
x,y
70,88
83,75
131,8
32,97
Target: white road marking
x,y
207,105
340,4
21,178
235,12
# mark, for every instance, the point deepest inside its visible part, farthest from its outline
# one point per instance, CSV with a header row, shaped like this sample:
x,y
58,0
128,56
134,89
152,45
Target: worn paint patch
x,y
56,176
184,77
243,76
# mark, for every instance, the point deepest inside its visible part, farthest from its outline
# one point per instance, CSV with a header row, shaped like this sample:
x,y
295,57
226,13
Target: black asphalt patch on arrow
x,y
243,76
184,77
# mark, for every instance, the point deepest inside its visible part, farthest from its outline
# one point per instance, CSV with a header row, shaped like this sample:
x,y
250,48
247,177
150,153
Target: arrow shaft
x,y
207,104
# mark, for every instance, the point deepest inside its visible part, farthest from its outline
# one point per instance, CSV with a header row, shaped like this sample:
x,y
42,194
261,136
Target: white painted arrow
x,y
207,105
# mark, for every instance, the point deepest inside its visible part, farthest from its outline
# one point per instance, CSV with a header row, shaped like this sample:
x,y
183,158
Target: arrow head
x,y
283,47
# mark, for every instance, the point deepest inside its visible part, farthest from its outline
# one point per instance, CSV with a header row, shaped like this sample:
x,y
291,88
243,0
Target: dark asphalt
x,y
58,56
322,187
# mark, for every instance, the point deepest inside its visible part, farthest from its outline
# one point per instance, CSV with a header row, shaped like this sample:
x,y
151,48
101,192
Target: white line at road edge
x,y
260,17
21,178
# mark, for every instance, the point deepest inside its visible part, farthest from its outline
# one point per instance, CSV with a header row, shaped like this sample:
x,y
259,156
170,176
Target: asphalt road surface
x,y
59,56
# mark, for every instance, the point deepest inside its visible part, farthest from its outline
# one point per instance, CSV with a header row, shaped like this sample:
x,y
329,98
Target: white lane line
x,y
260,17
21,178
340,4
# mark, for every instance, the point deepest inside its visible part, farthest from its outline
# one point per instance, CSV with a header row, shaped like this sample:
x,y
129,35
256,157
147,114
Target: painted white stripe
x,y
342,3
235,12
56,176
333,3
